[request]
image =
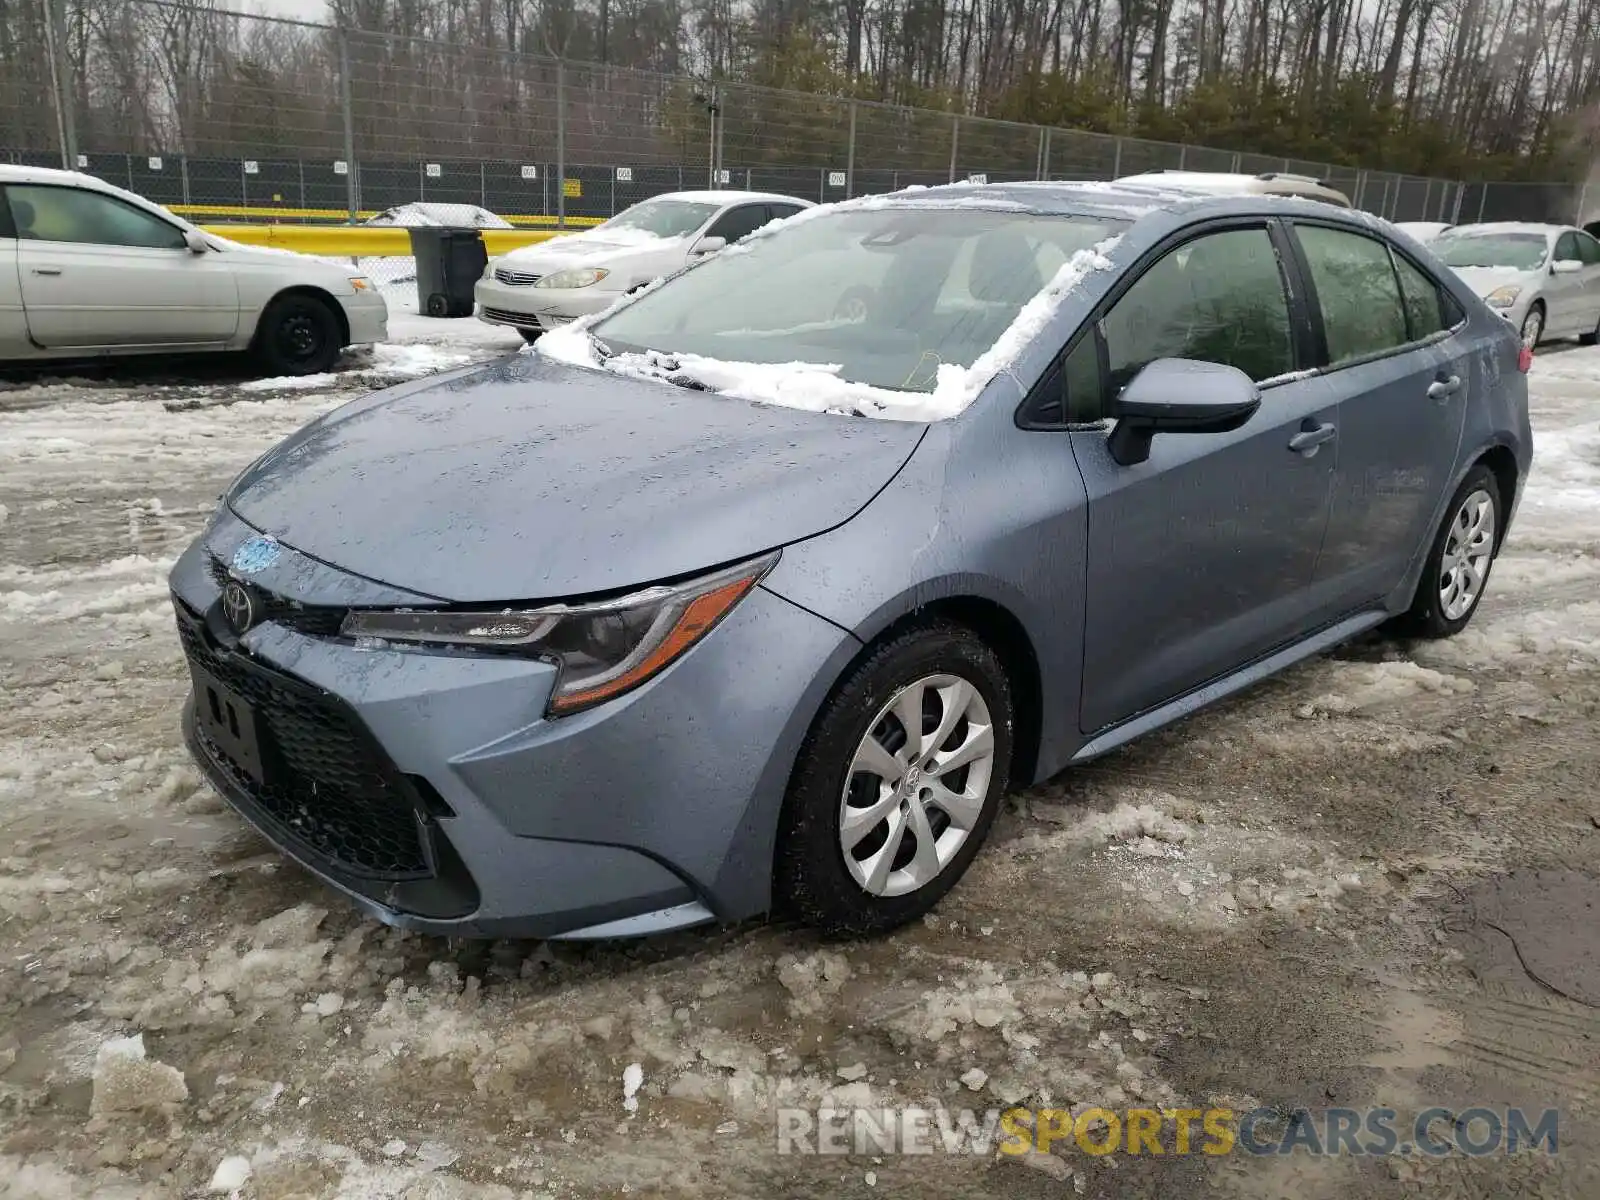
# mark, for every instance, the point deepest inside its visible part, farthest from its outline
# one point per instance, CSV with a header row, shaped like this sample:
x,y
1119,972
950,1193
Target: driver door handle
x,y
47,270
1311,436
1443,389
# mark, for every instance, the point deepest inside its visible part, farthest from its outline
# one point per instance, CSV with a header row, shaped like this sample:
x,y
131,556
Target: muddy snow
x,y
1260,906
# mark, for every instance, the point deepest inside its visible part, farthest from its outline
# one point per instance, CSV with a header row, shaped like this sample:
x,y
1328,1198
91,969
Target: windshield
x,y
661,218
886,295
1524,251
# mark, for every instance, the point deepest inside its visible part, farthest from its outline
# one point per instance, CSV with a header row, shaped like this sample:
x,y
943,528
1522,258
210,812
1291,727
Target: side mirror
x,y
709,245
1565,266
1179,395
196,241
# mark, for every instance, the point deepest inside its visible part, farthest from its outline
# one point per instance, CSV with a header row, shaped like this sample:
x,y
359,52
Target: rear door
x,y
1395,353
96,271
1200,558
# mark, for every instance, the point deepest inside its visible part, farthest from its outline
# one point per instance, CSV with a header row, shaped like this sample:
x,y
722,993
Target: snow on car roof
x,y
1508,227
728,196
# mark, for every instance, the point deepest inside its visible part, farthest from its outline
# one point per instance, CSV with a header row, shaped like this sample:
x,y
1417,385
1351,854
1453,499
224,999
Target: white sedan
x,y
1544,279
542,286
87,270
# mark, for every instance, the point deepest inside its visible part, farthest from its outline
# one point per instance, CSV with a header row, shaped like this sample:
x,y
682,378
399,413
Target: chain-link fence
x,y
224,116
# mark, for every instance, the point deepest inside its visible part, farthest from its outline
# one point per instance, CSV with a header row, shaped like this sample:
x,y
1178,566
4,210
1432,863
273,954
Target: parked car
x,y
88,269
719,603
1424,231
545,285
1223,183
1543,279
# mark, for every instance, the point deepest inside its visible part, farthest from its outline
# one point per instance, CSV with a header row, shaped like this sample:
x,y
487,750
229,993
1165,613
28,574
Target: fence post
x,y
722,125
1116,161
850,157
561,144
1183,155
1483,199
955,144
1427,194
1234,166
183,176
60,85
1455,213
1583,198
1044,164
351,200
1361,188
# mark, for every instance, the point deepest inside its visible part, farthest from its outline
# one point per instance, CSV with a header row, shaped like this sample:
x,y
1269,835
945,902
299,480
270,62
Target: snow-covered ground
x,y
1254,906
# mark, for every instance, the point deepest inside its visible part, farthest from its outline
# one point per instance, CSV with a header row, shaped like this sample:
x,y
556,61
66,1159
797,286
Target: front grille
x,y
314,620
515,278
330,788
526,320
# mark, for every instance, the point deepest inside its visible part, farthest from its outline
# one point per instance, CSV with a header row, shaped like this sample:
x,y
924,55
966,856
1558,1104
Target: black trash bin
x,y
449,263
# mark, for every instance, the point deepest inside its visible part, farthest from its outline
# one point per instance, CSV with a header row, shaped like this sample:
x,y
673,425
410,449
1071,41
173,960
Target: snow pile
x,y
1361,687
422,214
125,1081
817,387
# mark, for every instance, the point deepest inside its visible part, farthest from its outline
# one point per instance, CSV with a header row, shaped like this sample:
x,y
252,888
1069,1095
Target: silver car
x,y
1544,279
742,597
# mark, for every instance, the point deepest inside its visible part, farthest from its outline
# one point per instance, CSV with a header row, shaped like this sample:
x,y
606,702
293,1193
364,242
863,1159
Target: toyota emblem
x,y
238,608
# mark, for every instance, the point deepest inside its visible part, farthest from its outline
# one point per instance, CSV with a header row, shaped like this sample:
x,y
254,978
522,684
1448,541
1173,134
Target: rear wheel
x,y
897,784
1457,570
1533,327
1592,337
298,335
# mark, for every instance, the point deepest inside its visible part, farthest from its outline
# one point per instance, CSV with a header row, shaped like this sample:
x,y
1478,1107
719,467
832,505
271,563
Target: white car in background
x,y
1544,279
539,287
424,214
88,270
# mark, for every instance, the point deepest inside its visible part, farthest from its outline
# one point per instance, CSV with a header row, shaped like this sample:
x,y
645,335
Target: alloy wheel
x,y
1468,550
917,785
1532,328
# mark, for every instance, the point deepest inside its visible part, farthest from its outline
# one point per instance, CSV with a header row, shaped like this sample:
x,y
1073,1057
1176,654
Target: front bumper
x,y
368,317
536,307
430,789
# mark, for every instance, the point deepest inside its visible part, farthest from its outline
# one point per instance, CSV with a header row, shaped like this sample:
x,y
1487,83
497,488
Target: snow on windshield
x,y
918,314
651,219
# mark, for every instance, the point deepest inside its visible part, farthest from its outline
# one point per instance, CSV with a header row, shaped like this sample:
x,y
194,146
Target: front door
x,y
97,271
1200,558
1403,384
1568,308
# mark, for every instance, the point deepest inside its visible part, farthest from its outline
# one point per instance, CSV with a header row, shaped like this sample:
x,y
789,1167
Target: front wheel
x,y
1533,327
1457,570
897,784
298,335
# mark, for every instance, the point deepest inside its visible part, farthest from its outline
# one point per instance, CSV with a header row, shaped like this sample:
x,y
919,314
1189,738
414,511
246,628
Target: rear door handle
x,y
47,270
1310,437
1443,389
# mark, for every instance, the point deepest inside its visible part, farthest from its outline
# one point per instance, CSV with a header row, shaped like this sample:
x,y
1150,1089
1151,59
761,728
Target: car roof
x,y
1118,198
730,196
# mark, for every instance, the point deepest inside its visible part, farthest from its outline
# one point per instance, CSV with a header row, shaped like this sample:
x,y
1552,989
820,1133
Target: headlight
x,y
488,269
603,649
573,277
1503,297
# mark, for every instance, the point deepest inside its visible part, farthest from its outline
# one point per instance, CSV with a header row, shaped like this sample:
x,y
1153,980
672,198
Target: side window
x,y
736,222
1081,381
1424,308
64,214
779,211
1356,286
1219,298
1588,249
1567,248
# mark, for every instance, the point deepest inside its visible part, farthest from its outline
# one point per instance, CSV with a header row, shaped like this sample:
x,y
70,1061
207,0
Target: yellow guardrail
x,y
275,212
361,241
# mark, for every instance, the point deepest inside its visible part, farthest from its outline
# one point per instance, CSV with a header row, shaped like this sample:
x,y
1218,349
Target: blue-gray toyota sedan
x,y
758,591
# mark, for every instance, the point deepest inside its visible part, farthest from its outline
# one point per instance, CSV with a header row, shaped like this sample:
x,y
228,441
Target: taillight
x,y
1525,359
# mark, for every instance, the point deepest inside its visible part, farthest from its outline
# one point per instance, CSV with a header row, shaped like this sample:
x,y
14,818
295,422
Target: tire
x,y
1592,337
530,335
298,335
838,891
1533,326
438,305
1436,612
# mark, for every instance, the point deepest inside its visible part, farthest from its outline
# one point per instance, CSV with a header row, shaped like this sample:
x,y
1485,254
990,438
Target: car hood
x,y
531,480
1484,280
596,250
